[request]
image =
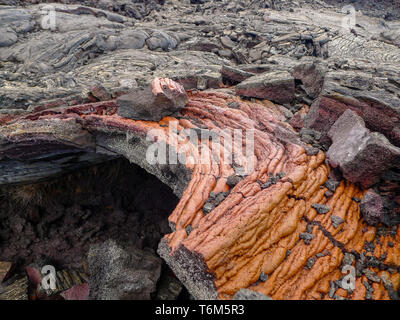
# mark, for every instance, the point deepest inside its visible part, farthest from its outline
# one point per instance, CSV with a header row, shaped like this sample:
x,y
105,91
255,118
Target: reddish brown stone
x,y
276,86
80,292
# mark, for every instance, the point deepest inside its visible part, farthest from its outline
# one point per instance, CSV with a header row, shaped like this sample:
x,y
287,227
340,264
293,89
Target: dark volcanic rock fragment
x,y
119,273
7,37
162,40
336,221
362,156
163,98
235,75
321,208
362,93
372,207
233,180
277,86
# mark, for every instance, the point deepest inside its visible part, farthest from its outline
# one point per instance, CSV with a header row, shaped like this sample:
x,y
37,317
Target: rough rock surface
x,y
119,273
267,211
163,98
372,207
361,155
114,200
4,269
275,86
78,292
231,230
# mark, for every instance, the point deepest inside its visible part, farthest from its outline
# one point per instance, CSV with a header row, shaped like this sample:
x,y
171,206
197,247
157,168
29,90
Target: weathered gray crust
x,y
133,146
191,271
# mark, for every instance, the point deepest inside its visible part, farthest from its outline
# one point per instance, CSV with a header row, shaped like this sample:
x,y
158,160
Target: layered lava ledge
x,y
277,230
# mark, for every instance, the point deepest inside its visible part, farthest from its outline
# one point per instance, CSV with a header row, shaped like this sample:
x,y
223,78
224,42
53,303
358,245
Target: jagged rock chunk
x,y
163,98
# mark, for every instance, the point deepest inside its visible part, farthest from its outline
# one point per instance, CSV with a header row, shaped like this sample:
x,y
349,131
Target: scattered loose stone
x,y
310,263
336,221
263,277
233,180
234,75
328,194
321,208
371,207
309,135
332,185
275,86
332,289
348,259
189,229
371,275
208,207
307,237
370,290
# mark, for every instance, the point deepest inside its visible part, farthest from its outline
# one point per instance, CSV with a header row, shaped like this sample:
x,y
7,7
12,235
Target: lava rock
x,y
162,40
247,294
309,135
311,76
163,98
277,86
7,37
321,208
233,180
310,263
371,207
135,39
79,292
362,93
348,259
336,221
227,42
263,277
235,75
169,287
118,273
307,237
362,156
332,185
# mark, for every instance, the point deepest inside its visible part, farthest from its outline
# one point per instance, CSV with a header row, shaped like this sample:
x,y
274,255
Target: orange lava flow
x,y
257,230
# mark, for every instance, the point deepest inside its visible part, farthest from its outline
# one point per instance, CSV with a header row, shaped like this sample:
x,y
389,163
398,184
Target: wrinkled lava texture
x,y
259,228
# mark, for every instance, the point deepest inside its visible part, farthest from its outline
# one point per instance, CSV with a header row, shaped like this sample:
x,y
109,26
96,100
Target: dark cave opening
x,y
56,221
